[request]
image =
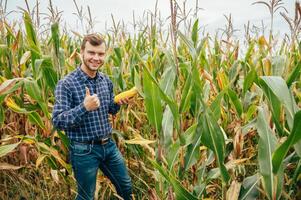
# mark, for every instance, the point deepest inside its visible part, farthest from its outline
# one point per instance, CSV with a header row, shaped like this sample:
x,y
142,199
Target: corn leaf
x,y
292,139
213,138
249,190
35,118
167,81
195,33
180,191
266,146
172,105
279,88
186,94
6,166
55,37
294,75
152,102
167,127
5,149
193,150
235,101
15,107
11,85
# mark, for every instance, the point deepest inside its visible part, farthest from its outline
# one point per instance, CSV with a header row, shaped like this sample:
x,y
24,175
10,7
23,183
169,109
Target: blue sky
x,y
211,16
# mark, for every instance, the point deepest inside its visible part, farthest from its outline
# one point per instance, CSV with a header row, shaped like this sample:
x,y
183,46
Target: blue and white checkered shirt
x,y
69,113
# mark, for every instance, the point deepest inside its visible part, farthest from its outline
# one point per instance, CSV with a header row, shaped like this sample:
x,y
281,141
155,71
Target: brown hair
x,y
94,39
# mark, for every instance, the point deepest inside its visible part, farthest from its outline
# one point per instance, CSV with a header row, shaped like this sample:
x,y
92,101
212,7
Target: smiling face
x,y
92,58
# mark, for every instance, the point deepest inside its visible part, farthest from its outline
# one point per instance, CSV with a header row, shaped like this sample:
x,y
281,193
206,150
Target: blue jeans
x,y
86,159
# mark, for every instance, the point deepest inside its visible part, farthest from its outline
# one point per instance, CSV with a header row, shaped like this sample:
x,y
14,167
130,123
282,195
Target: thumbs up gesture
x,y
91,102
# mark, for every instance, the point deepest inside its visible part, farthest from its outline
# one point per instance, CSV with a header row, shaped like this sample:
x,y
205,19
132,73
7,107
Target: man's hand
x,y
123,101
91,102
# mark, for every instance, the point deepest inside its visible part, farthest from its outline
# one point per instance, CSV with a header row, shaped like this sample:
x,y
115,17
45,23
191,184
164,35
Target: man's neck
x,y
90,73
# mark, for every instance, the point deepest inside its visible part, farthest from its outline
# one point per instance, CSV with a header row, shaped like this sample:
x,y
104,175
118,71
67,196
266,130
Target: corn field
x,y
215,118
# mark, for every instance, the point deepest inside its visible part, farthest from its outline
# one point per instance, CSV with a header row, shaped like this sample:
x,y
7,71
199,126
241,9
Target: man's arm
x,y
63,116
113,107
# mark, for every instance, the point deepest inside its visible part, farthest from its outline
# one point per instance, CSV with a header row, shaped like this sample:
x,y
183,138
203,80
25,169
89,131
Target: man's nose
x,y
97,57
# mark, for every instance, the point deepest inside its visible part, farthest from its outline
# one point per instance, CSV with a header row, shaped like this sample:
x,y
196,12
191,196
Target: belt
x,y
99,141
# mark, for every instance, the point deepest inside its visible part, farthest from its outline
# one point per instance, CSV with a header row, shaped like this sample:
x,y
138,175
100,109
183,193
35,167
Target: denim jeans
x,y
86,159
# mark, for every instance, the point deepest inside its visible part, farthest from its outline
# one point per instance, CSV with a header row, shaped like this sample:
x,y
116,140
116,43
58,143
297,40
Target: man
x,y
84,100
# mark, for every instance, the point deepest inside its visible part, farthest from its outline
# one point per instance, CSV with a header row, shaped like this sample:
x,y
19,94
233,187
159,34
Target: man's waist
x,y
88,135
99,141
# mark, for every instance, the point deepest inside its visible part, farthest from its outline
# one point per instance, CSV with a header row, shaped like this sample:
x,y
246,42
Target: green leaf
x,y
64,138
173,154
249,190
188,43
266,146
181,192
279,88
278,65
167,81
33,89
49,74
186,94
2,115
55,37
5,149
213,138
195,33
249,80
251,111
117,57
167,127
32,41
235,101
193,150
35,118
292,139
10,85
30,32
172,105
35,92
295,74
216,105
197,91
152,102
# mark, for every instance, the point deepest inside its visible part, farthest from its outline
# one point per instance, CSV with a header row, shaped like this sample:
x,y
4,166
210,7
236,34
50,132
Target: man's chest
x,y
101,88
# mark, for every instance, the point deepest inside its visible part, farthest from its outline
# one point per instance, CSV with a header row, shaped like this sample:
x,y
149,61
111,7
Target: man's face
x,y
93,56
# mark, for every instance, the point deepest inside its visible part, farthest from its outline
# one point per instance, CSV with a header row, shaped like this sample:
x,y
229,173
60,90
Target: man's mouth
x,y
95,64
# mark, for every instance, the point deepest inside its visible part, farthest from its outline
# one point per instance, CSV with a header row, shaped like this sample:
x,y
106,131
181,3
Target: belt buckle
x,y
104,141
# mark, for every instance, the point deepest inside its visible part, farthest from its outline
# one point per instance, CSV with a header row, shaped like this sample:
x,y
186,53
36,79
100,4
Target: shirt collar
x,y
84,77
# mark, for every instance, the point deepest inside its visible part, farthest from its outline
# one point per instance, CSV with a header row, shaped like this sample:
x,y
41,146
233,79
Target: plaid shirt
x,y
69,113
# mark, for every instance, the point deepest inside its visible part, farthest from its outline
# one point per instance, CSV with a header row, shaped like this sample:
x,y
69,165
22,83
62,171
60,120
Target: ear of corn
x,y
127,94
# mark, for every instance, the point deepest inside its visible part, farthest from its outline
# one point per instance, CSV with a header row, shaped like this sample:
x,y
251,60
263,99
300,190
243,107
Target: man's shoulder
x,y
104,76
69,78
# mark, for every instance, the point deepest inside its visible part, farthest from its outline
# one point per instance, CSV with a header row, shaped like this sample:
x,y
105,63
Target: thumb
x,y
87,92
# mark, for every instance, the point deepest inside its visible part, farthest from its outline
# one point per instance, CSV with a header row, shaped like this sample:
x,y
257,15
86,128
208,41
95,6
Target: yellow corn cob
x,y
127,94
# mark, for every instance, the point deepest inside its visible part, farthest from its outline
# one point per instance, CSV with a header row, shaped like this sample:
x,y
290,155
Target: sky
x,y
211,16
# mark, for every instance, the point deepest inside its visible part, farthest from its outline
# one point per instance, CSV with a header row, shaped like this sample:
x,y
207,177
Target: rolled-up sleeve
x,y
63,116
